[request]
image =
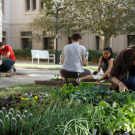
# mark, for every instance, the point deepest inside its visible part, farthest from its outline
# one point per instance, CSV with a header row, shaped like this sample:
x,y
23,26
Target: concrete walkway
x,y
33,74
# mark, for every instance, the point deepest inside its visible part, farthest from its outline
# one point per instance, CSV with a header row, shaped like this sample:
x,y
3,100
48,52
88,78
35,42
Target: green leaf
x,y
114,105
78,92
103,104
72,96
90,85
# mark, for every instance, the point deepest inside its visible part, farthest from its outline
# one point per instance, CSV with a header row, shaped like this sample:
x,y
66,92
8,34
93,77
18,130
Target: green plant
x,y
23,53
1,127
13,125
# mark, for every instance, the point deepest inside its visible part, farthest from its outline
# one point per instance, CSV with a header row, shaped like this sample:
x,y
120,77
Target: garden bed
x,y
69,110
60,82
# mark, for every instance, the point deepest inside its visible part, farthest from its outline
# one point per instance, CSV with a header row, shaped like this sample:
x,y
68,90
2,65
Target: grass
x,y
26,88
56,67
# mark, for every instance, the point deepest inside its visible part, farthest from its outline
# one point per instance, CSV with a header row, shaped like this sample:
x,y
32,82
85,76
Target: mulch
x,y
4,74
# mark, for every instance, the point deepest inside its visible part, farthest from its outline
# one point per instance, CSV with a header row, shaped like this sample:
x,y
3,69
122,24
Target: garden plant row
x,y
80,110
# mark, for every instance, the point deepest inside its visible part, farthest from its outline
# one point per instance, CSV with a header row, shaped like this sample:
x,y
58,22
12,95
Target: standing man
x,y
73,60
8,58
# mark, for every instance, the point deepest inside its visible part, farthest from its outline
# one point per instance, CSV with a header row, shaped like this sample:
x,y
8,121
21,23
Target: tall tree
x,y
103,17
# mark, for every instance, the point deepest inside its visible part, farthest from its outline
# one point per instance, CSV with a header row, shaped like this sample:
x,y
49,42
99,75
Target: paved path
x,y
34,74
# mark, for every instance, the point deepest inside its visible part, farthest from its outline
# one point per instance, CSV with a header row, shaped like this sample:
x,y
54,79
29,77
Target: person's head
x,y
1,46
107,52
76,37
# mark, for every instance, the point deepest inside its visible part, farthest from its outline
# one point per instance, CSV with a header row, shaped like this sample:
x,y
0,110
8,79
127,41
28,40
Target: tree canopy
x,y
103,17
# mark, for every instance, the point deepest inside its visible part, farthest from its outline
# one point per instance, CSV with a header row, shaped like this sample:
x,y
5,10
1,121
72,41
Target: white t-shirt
x,y
73,57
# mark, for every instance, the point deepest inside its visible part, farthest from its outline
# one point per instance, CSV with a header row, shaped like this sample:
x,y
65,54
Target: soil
x,y
88,80
11,74
60,82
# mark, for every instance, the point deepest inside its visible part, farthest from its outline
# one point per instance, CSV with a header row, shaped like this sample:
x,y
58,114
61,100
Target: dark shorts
x,y
68,74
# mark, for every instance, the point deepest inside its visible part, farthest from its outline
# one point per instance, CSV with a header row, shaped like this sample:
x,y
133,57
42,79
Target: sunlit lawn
x,y
26,88
41,66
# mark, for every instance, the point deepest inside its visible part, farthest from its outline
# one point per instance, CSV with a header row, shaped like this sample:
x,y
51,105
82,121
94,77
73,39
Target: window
x,y
25,36
42,5
48,43
131,39
69,40
27,4
4,37
26,33
97,42
26,43
34,4
100,43
3,34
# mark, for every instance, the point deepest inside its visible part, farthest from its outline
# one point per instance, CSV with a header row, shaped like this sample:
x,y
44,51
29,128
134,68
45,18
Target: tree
x,y
104,17
41,23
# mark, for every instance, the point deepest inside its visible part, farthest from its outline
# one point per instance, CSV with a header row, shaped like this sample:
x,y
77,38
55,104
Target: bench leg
x,y
32,60
48,60
60,60
38,61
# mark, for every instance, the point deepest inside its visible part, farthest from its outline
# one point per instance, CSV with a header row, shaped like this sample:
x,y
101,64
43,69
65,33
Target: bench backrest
x,y
35,53
39,54
43,54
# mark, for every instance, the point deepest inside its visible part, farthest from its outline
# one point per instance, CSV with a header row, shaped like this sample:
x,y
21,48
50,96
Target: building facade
x,y
17,13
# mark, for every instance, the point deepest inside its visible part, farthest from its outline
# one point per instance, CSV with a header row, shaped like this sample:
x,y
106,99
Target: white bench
x,y
42,54
86,58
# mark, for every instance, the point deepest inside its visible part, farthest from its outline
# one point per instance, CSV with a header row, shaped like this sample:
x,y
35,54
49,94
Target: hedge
x,y
93,55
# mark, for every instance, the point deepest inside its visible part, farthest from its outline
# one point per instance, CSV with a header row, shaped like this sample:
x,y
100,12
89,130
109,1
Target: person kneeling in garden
x,y
73,60
8,58
106,62
123,71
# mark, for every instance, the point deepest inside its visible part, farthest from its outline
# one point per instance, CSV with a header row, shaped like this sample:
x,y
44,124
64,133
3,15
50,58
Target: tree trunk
x,y
105,42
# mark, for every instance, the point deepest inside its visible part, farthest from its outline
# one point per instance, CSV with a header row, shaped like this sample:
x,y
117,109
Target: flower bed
x,y
72,110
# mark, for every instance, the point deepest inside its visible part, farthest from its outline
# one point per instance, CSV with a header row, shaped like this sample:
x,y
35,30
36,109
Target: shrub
x,y
95,55
26,53
23,53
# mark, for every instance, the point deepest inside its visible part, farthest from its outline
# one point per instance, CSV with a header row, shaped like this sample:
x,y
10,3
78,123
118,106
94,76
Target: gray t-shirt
x,y
73,57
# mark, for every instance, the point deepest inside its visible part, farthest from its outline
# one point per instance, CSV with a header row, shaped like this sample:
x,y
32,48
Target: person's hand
x,y
98,70
122,86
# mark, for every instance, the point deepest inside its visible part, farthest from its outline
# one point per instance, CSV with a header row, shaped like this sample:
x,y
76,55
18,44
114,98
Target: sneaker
x,y
14,69
9,71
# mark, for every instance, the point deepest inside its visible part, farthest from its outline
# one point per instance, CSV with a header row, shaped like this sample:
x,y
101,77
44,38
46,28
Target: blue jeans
x,y
130,82
6,64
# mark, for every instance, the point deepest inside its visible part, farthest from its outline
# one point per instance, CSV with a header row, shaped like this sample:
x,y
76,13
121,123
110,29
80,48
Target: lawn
x,y
41,66
25,88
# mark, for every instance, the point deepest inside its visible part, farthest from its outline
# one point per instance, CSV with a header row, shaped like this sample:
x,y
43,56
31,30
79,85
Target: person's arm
x,y
115,71
99,64
6,56
121,85
109,67
84,60
62,59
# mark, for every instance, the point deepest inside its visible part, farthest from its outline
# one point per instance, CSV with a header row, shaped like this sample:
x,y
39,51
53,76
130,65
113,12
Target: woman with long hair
x,y
106,62
122,74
